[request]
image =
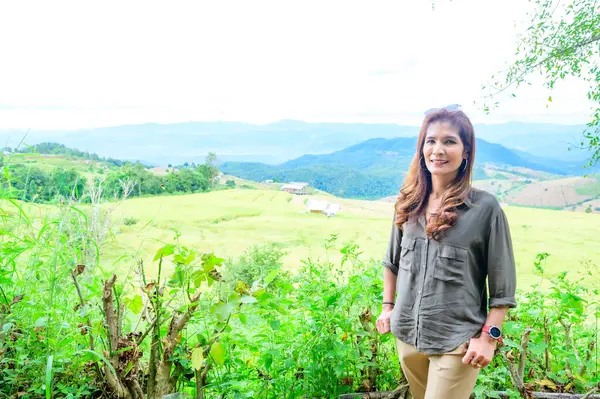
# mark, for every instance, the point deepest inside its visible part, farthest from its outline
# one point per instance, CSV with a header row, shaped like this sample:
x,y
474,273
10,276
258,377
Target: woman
x,y
447,239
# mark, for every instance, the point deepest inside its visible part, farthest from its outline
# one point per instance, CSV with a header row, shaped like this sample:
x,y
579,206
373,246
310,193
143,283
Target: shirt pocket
x,y
407,253
450,264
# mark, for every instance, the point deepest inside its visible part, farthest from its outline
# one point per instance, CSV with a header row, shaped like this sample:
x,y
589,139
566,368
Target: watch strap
x,y
486,329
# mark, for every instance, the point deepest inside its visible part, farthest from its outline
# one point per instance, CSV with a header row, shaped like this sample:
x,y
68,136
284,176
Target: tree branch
x,y
177,324
116,386
588,356
553,54
145,333
523,356
109,312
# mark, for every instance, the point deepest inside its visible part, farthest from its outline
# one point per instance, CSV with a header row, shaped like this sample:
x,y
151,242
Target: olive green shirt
x,y
442,299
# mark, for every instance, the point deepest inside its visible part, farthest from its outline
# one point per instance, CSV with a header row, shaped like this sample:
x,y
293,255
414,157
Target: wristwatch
x,y
494,331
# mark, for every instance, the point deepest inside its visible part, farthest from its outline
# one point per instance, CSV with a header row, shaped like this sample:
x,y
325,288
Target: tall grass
x,y
43,321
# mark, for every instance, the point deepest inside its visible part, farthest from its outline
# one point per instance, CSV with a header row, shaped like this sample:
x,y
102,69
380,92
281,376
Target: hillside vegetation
x,y
49,178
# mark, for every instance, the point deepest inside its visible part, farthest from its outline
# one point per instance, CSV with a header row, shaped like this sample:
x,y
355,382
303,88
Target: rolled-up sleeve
x,y
502,279
392,256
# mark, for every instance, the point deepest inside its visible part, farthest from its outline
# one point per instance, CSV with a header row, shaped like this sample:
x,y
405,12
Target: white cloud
x,y
78,64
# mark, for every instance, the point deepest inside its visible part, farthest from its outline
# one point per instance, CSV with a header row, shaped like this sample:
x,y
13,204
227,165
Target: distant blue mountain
x,y
274,143
379,153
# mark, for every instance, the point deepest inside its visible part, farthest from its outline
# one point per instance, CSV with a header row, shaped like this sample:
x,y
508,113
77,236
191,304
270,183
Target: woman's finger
x,y
469,356
478,361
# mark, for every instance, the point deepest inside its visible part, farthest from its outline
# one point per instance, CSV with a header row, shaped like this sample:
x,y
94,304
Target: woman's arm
x,y
502,281
390,275
481,350
389,293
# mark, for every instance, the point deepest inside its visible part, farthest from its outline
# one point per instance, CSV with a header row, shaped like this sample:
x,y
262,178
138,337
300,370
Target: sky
x,y
70,65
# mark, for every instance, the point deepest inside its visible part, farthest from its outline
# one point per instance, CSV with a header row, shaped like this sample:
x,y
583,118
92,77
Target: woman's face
x,y
443,150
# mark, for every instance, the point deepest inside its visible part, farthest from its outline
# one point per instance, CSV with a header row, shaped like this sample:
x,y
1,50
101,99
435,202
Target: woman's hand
x,y
383,321
480,351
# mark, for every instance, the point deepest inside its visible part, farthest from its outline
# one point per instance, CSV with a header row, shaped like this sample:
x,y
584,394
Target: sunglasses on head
x,y
450,108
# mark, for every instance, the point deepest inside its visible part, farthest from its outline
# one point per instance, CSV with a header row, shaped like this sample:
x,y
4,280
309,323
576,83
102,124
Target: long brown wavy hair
x,y
417,186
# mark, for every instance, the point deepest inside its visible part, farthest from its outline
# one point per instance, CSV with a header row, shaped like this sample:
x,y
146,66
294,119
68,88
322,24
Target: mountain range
x,y
375,168
275,143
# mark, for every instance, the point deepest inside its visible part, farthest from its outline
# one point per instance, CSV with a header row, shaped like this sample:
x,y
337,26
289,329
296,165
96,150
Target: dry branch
x,y
517,374
109,312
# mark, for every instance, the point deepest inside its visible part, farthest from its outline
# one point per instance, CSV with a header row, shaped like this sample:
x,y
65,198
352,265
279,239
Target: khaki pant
x,y
437,376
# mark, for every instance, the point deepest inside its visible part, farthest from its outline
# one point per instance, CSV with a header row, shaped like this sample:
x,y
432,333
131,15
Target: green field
x,y
228,222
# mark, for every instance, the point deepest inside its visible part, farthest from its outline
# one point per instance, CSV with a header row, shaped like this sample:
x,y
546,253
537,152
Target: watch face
x,y
495,332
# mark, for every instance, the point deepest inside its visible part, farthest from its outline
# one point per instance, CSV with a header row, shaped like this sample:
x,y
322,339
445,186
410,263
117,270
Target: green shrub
x,y
255,264
130,221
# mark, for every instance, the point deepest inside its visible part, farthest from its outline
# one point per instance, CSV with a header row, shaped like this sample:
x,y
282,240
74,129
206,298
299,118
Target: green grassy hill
x,y
48,162
228,222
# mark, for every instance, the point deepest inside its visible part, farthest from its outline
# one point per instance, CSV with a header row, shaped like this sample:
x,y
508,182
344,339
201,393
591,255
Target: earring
x,y
464,167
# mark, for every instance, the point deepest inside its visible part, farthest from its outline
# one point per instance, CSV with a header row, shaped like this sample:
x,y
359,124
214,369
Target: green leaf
x,y
191,257
537,348
550,99
198,277
179,259
275,324
248,299
268,359
512,344
333,299
210,261
271,276
165,251
135,305
217,351
178,276
6,327
234,300
41,322
242,318
99,356
197,358
221,310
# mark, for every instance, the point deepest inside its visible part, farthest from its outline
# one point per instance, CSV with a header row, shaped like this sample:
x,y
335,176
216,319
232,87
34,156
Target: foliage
x,y
562,42
33,184
39,315
61,149
336,179
257,263
561,325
